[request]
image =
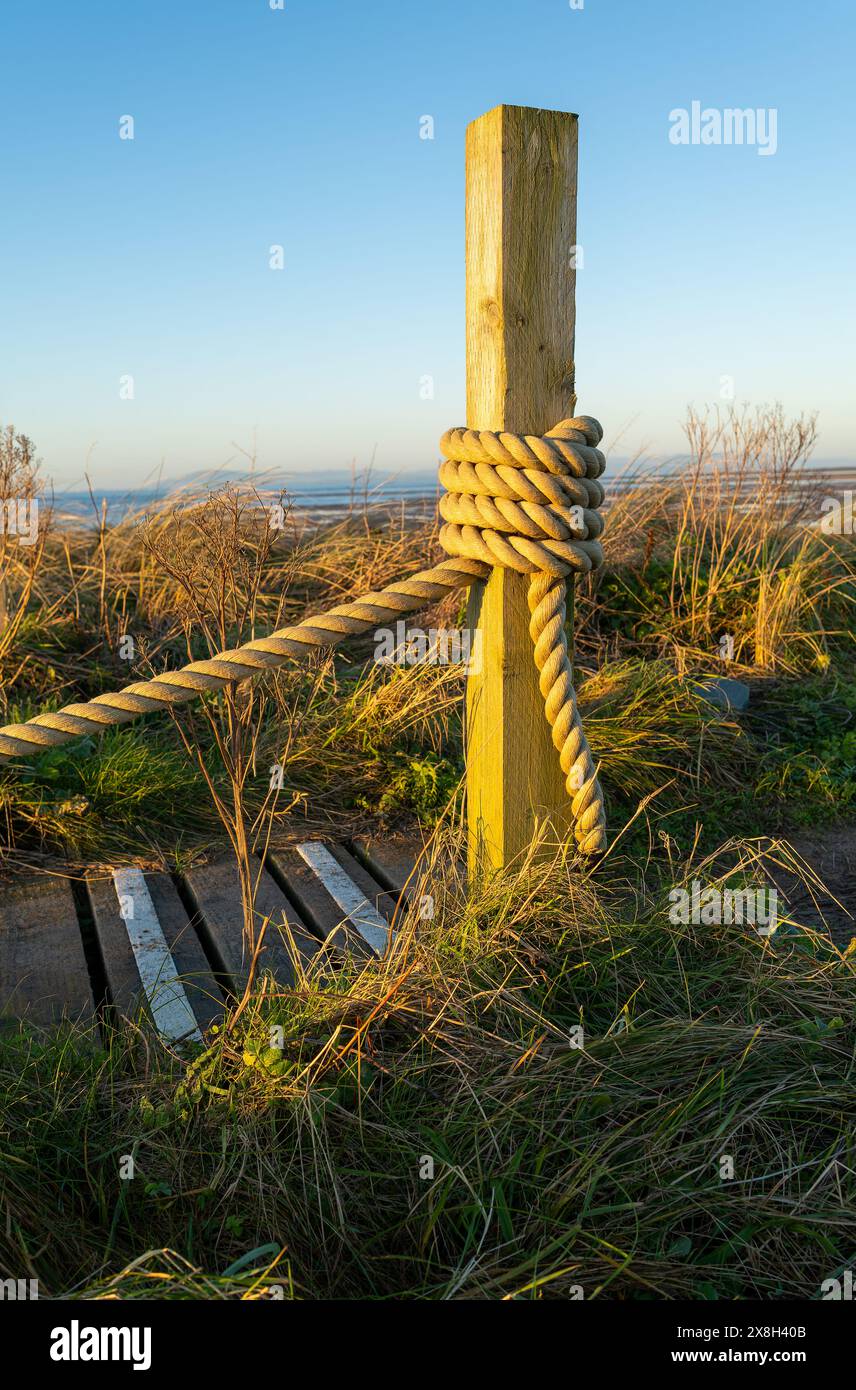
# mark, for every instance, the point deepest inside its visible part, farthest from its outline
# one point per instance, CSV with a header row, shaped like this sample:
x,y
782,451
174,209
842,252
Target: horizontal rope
x,y
528,503
263,654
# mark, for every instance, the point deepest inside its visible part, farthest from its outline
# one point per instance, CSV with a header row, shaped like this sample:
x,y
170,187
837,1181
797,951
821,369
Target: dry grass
x,y
558,1159
728,547
731,545
535,1091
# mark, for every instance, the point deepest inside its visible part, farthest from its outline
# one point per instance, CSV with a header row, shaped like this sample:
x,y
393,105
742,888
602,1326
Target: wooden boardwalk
x,y
172,945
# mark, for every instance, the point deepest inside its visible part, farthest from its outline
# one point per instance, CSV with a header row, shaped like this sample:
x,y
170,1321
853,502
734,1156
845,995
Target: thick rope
x,y
177,687
529,503
524,502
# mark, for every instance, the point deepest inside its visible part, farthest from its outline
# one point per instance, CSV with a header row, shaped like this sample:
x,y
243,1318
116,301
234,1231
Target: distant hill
x,y
334,487
321,488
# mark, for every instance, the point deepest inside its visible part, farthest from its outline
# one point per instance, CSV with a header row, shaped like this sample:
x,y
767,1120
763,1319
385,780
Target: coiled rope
x,y
524,502
529,503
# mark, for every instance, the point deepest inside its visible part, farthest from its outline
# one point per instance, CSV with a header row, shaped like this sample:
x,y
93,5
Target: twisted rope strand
x,y
547,599
526,502
265,653
530,503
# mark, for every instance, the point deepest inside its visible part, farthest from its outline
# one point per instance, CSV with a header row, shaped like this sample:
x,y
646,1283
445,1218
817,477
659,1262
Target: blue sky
x,y
300,127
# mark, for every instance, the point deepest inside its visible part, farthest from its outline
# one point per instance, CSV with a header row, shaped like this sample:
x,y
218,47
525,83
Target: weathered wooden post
x,y
521,205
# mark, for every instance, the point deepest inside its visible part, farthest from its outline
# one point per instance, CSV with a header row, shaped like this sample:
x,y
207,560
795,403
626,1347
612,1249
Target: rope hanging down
x,y
524,502
529,503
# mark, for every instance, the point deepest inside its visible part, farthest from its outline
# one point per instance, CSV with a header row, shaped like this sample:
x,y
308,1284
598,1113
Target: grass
x,y
436,1125
362,743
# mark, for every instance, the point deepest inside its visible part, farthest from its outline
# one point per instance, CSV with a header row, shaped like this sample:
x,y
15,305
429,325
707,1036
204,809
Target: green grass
x,y
604,1167
364,744
555,1166
790,761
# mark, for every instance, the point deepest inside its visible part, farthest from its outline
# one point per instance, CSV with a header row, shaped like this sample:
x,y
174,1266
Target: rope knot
x,y
522,501
530,503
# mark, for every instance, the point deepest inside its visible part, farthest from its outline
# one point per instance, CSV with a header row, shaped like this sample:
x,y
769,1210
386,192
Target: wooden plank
x,y
820,891
215,890
125,984
521,228
187,951
348,896
165,994
43,972
317,905
390,859
374,891
123,980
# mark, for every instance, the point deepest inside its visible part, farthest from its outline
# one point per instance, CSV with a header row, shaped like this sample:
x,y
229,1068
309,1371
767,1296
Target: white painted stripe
x,y
168,1001
347,895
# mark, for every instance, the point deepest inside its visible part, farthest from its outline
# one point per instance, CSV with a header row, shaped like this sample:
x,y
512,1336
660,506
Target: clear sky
x,y
300,127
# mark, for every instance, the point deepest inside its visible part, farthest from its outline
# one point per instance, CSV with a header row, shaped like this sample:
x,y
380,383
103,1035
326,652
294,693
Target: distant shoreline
x,y
340,492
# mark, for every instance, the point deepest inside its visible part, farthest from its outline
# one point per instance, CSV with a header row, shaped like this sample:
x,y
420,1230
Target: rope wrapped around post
x,y
528,502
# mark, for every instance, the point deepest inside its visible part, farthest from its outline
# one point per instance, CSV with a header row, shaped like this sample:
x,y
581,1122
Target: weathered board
x,y
126,991
191,961
286,947
390,859
317,905
44,976
175,948
376,893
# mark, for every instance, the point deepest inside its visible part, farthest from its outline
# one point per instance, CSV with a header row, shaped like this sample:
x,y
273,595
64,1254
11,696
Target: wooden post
x,y
521,200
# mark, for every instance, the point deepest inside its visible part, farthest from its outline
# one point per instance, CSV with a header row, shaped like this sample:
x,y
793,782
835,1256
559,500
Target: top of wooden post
x,y
521,229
